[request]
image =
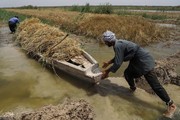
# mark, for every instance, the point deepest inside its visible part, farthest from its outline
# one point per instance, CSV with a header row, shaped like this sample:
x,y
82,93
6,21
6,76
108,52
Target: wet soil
x,y
5,39
69,110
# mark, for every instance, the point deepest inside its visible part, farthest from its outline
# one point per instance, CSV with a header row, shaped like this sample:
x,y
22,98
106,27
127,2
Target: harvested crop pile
x,y
36,37
165,71
132,28
69,110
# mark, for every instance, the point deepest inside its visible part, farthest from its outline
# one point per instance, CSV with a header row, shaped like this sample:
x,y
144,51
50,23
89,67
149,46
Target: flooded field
x,y
26,84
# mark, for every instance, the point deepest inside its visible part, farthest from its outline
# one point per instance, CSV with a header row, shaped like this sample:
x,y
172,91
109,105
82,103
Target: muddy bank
x,y
69,110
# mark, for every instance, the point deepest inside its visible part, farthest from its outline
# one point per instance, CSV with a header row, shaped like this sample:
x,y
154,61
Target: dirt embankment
x,y
69,110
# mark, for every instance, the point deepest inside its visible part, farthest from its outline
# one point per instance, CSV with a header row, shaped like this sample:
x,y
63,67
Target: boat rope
x,y
52,63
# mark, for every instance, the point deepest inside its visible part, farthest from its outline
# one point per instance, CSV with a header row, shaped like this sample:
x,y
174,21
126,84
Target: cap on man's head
x,y
109,36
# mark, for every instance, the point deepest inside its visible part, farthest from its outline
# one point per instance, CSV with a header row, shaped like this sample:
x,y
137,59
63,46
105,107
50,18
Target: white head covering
x,y
109,36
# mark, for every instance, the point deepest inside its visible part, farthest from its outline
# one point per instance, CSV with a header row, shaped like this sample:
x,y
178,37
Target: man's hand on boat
x,y
105,64
105,74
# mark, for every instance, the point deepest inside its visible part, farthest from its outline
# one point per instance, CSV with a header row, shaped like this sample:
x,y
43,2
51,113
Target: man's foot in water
x,y
170,111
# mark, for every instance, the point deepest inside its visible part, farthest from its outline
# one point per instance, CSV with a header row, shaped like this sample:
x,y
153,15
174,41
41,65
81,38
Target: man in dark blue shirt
x,y
13,23
140,63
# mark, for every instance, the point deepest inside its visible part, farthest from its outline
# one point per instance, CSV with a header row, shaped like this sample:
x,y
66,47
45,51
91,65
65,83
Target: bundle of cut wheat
x,y
47,40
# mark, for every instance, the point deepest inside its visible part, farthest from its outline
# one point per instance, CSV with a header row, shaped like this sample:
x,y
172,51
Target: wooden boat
x,y
84,67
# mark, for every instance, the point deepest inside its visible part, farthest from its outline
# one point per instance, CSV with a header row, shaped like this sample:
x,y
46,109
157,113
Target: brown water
x,y
26,84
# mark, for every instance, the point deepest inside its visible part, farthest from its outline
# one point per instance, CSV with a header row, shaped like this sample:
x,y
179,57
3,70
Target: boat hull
x,y
89,73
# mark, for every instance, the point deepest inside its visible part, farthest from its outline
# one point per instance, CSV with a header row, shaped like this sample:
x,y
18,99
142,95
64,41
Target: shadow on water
x,y
79,83
106,88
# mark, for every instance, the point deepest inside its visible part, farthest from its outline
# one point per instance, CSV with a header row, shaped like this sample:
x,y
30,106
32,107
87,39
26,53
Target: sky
x,y
18,3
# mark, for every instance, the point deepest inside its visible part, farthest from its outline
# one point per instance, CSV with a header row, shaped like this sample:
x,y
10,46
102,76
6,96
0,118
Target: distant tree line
x,y
108,8
28,7
102,9
124,10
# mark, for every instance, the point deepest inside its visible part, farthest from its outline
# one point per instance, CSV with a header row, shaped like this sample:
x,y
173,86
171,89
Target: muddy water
x,y
25,84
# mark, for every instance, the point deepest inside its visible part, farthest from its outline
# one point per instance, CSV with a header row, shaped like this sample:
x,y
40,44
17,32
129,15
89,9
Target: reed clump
x,y
49,41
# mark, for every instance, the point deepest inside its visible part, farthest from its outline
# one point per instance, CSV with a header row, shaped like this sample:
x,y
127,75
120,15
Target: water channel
x,y
26,84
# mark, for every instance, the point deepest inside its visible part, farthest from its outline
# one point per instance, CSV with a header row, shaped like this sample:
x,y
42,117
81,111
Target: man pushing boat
x,y
141,63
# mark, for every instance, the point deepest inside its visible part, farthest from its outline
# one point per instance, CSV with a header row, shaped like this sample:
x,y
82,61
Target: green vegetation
x,y
29,7
124,12
159,8
113,9
102,9
85,8
154,17
5,16
128,10
142,14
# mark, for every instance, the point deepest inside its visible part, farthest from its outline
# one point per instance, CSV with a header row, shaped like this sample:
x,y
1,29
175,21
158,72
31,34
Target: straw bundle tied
x,y
41,38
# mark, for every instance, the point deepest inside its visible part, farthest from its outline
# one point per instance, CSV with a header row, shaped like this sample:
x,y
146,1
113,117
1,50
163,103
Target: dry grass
x,y
135,29
60,17
41,38
132,28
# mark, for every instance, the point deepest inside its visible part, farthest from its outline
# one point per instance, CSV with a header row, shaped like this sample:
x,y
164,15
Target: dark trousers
x,y
12,26
151,78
